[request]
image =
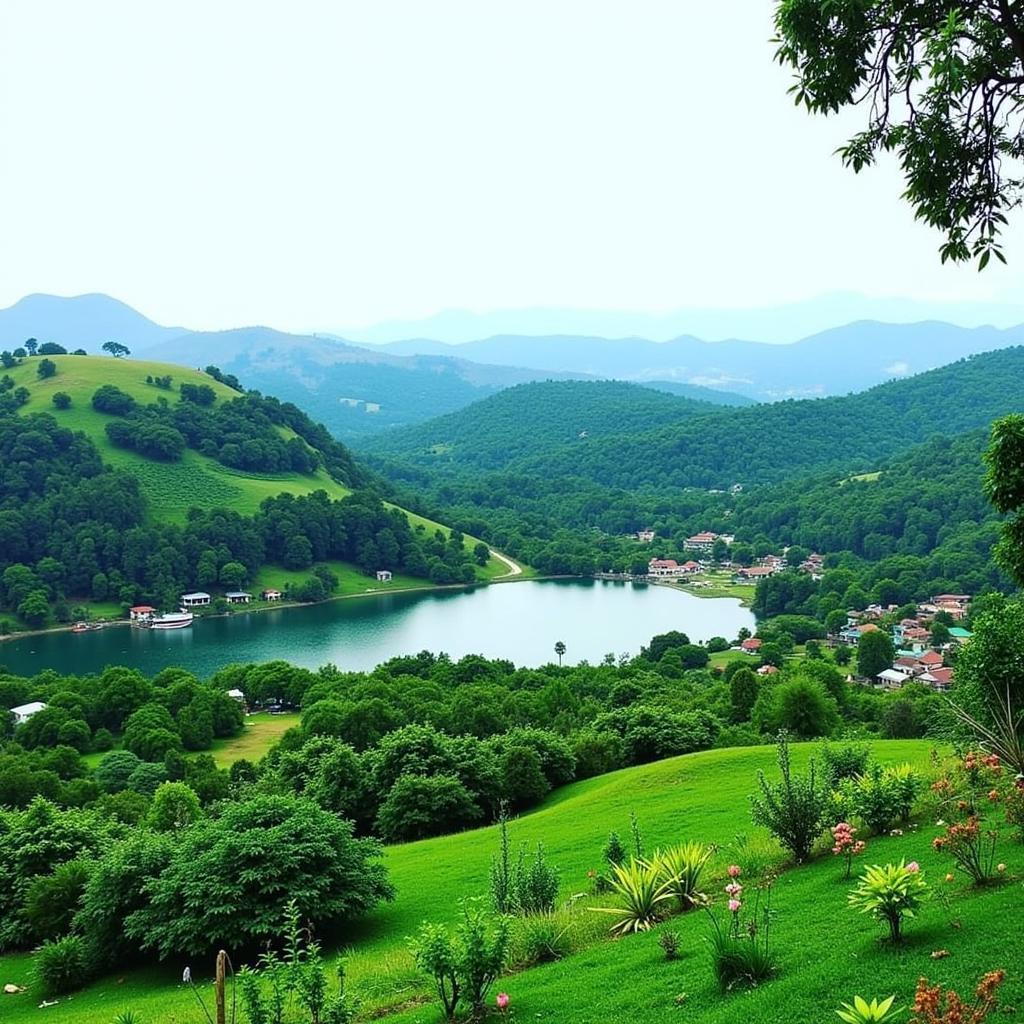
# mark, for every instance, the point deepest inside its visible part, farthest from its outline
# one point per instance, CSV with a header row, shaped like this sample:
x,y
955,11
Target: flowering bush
x,y
740,949
889,894
971,847
844,844
933,1006
1014,805
860,1011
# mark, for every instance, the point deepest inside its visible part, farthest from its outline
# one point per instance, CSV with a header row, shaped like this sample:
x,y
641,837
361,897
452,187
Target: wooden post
x,y
222,959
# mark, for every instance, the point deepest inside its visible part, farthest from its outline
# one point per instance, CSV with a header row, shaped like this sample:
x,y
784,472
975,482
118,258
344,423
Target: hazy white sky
x,y
328,164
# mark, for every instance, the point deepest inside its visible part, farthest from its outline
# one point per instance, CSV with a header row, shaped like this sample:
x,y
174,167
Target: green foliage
x,y
957,74
794,809
880,797
844,762
464,966
417,807
890,893
642,892
52,901
175,806
669,942
299,852
875,653
680,869
62,965
860,1011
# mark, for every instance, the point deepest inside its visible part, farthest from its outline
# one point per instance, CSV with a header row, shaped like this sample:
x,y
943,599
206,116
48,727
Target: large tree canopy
x,y
940,83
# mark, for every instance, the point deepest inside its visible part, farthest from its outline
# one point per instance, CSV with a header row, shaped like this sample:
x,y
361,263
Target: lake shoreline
x,y
276,605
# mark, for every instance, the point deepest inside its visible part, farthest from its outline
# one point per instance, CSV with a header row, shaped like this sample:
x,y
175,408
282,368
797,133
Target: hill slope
x,y
759,444
700,797
535,419
171,488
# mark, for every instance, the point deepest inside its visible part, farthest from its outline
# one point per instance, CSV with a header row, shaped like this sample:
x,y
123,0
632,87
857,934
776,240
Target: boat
x,y
86,627
172,620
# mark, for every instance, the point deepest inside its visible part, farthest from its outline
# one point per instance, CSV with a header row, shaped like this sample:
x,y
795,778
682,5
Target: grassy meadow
x,y
827,952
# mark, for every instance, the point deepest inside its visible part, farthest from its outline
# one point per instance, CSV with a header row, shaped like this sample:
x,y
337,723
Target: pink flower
x,y
734,871
734,905
502,1001
734,889
913,867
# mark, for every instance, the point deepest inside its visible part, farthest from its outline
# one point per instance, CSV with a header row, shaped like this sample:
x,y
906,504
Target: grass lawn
x,y
827,951
721,585
261,732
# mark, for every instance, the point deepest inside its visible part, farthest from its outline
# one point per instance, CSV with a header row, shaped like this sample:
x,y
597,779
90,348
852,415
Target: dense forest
x,y
71,528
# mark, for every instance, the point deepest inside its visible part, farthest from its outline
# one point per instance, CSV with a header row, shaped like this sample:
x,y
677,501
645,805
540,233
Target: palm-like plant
x,y
1004,735
680,868
890,893
860,1011
642,891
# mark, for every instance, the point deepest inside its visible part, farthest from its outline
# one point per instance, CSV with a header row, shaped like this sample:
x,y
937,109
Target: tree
x,y
175,806
419,807
51,348
524,781
205,896
115,769
875,653
35,608
1004,488
941,85
743,689
719,550
61,399
31,345
116,349
46,368
233,575
560,651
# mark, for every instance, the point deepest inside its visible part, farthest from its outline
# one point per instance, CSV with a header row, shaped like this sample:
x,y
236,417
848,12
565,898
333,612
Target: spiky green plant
x,y
680,868
890,892
642,893
860,1011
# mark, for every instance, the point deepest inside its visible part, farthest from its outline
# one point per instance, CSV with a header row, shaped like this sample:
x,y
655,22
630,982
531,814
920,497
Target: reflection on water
x,y
518,621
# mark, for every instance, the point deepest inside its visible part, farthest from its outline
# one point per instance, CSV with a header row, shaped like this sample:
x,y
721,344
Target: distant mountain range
x,y
360,389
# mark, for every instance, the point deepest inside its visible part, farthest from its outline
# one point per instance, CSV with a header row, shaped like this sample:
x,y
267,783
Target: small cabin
x,y
237,597
271,595
24,712
383,576
141,613
237,694
195,600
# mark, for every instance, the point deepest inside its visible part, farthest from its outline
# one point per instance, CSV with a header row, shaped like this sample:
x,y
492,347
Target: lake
x,y
520,621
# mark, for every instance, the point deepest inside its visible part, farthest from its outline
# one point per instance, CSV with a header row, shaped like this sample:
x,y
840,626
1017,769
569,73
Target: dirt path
x,y
514,569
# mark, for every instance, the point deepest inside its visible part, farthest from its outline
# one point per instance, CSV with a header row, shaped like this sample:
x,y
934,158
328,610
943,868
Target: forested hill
x,y
536,419
759,444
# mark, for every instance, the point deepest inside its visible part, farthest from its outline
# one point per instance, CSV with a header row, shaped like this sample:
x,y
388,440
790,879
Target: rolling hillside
x,y
534,419
696,797
170,488
759,444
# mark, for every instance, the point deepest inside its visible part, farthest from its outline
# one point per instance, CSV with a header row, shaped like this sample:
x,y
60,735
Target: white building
x,y
199,599
23,712
383,576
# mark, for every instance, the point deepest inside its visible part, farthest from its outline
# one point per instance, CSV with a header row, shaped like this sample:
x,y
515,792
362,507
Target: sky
x,y
324,164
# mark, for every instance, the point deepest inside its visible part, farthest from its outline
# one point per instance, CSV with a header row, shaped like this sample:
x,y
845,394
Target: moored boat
x,y
172,620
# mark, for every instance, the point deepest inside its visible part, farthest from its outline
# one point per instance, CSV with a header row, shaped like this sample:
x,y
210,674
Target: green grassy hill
x,y
828,952
170,487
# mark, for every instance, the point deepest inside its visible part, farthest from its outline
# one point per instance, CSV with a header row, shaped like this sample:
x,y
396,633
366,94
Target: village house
x,y
751,645
271,595
664,567
383,575
197,599
753,573
141,613
237,597
237,694
645,536
23,712
767,670
890,679
702,542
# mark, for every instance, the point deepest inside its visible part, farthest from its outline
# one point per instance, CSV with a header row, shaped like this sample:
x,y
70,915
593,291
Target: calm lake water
x,y
518,621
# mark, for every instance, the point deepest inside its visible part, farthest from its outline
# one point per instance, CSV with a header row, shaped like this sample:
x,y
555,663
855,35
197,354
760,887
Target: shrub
x,y
642,893
539,939
680,868
614,852
880,796
793,810
527,886
845,762
933,1006
860,1011
52,900
669,942
1014,805
889,894
463,966
61,966
973,849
